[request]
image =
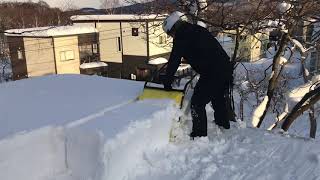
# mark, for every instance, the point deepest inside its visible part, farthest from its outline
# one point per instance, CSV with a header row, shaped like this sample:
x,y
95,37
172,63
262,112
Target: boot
x,y
199,120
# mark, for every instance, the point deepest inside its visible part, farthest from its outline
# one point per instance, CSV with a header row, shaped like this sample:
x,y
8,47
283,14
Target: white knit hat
x,y
171,20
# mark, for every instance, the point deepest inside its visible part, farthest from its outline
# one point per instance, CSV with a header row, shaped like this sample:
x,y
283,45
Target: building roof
x,y
93,65
51,31
117,17
158,61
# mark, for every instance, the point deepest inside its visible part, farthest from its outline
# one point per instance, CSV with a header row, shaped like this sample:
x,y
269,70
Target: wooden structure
x,y
128,42
51,50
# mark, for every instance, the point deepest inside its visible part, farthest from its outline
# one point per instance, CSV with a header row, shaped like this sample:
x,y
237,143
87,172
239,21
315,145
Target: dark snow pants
x,y
208,89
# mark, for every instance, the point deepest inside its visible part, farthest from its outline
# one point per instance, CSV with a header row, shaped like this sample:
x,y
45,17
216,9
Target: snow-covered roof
x,y
93,65
51,31
183,67
117,17
158,61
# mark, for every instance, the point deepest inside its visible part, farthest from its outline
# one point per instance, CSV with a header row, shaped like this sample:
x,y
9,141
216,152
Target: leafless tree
x,y
5,65
68,5
291,18
241,19
110,5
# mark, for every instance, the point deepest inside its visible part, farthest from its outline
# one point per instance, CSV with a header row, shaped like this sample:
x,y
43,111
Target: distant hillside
x,y
29,14
159,6
156,6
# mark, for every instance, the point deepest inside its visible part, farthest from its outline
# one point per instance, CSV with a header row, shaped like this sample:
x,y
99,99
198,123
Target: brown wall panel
x,y
19,66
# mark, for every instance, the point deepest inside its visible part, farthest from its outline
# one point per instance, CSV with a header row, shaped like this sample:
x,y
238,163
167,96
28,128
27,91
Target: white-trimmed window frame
x,y
67,55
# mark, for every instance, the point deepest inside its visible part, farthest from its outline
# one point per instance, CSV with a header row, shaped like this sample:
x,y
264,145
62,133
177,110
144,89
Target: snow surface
x,y
202,24
158,61
117,17
58,100
284,7
72,127
259,111
51,31
69,4
294,90
93,65
183,67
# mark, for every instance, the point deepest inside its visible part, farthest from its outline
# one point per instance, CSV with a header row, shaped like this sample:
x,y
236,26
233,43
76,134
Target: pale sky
x,y
63,3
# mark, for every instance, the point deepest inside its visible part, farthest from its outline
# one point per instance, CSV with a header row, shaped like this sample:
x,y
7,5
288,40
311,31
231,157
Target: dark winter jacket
x,y
200,49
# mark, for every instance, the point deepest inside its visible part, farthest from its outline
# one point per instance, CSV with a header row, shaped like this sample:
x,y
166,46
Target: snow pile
x,y
93,65
51,31
59,99
111,136
71,148
299,45
253,71
125,152
158,61
284,7
117,17
202,24
224,155
51,152
33,156
258,112
297,94
315,79
283,60
184,67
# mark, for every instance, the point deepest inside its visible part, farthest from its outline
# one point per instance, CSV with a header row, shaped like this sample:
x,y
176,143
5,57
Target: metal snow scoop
x,y
153,89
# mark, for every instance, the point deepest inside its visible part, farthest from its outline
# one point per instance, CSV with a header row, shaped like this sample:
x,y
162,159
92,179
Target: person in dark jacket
x,y
206,56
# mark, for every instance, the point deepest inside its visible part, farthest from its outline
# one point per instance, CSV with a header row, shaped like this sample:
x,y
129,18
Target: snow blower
x,y
153,89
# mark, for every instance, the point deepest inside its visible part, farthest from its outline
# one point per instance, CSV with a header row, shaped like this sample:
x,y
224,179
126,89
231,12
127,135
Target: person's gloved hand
x,y
167,86
166,83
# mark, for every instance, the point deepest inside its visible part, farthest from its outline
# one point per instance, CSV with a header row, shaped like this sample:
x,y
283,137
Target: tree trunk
x,y
236,47
312,97
241,108
313,123
274,77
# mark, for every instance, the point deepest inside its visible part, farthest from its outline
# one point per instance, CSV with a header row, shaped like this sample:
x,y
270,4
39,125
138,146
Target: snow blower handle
x,y
155,76
159,77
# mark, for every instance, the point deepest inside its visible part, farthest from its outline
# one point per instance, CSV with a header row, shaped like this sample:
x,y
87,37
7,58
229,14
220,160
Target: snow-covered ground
x,y
72,127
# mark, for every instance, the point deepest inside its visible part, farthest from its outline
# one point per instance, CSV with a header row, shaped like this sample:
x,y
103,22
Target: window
x,y
88,49
95,48
162,39
135,32
119,44
67,55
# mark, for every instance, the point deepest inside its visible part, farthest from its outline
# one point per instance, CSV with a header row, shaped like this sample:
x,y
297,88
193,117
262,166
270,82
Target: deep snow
x,y
74,127
51,31
57,100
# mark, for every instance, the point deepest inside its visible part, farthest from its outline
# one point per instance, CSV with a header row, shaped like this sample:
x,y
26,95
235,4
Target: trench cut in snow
x,y
51,152
72,148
